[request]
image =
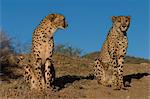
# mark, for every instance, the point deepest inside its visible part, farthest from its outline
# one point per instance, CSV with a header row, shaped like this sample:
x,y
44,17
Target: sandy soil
x,y
74,80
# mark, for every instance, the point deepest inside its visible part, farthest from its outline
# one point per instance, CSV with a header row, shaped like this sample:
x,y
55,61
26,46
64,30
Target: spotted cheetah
x,y
42,49
108,68
24,61
43,46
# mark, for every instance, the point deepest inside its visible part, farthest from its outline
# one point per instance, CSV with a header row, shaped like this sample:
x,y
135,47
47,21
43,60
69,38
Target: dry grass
x,y
74,80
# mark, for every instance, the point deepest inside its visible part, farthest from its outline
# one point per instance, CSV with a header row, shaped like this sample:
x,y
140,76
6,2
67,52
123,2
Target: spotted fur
x,y
42,50
109,65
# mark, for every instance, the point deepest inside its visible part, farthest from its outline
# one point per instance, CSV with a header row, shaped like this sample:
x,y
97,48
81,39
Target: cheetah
x,y
108,68
24,61
43,46
42,50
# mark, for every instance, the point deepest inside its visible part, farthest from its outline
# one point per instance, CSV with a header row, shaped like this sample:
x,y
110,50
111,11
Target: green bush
x,y
5,44
67,50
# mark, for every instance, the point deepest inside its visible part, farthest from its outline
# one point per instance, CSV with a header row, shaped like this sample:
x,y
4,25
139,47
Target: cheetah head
x,y
21,60
121,23
58,20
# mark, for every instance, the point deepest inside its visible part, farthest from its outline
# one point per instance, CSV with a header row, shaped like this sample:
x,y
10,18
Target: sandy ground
x,y
74,80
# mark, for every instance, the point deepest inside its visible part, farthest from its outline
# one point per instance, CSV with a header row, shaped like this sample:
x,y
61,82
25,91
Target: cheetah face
x,y
121,22
21,60
58,20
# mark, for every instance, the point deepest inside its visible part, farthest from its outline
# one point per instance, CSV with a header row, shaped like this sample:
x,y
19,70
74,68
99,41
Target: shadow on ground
x,y
62,81
129,78
8,71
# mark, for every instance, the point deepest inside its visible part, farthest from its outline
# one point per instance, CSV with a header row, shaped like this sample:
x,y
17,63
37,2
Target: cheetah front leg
x,y
117,73
117,65
113,52
49,74
120,71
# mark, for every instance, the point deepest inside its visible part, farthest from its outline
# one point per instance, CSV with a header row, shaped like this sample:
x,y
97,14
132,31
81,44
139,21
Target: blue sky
x,y
89,21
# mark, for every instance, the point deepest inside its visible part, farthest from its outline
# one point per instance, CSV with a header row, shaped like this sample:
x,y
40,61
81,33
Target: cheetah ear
x,y
51,17
113,18
20,57
129,17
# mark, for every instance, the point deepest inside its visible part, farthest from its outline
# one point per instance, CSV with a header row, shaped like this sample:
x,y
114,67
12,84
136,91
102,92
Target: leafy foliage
x,y
68,50
5,44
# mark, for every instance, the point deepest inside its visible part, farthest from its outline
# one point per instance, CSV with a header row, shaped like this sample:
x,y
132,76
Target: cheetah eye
x,y
126,20
119,20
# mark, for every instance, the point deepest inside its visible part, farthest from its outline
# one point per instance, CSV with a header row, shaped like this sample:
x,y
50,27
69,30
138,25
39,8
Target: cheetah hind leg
x,y
102,73
29,76
49,74
39,74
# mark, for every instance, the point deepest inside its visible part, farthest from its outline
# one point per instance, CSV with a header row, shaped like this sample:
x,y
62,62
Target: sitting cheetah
x,y
109,65
30,77
43,45
42,49
26,62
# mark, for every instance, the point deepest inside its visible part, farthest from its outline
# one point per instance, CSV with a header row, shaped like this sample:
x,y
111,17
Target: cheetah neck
x,y
47,27
117,33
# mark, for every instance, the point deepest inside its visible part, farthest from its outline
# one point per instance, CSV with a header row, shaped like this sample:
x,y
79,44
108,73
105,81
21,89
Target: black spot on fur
x,y
27,66
98,69
49,66
95,65
26,72
50,56
115,66
48,73
44,36
120,70
27,78
121,56
113,57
